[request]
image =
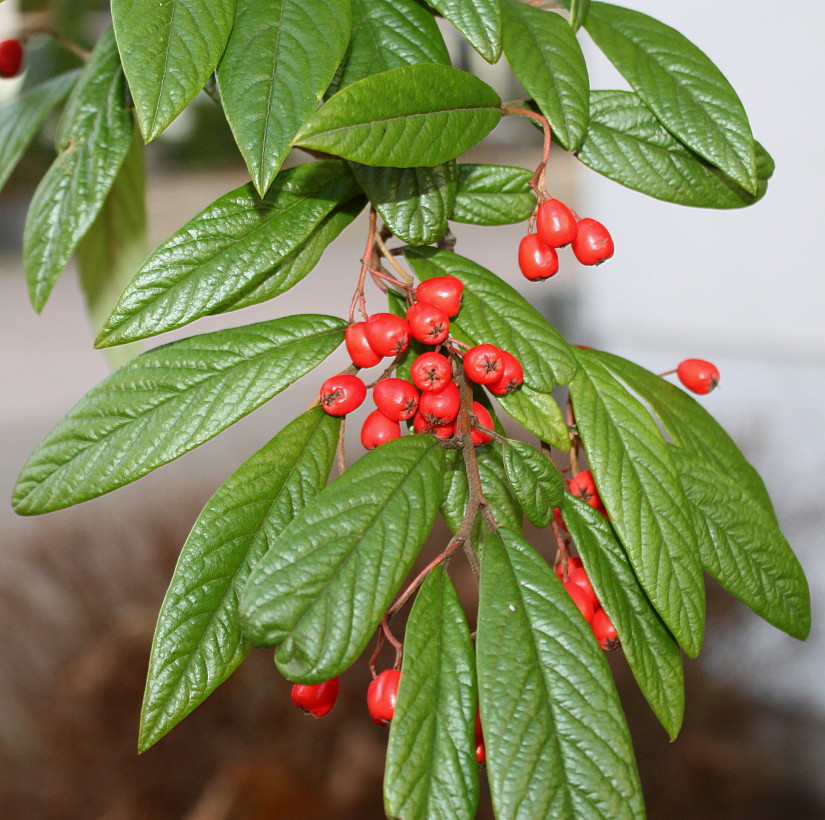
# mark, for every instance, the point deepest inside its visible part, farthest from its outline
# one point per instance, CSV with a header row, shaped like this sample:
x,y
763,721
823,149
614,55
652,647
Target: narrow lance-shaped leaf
x,y
93,139
578,13
326,582
539,414
278,62
537,483
492,195
198,641
682,87
556,739
169,49
478,20
431,766
166,402
650,649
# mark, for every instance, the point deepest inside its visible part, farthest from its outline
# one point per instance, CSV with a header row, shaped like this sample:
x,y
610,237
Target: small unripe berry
x,y
441,407
11,58
442,291
556,224
431,372
483,364
378,430
428,323
536,260
485,420
382,696
604,631
397,399
511,378
442,431
593,243
387,334
316,699
580,599
698,375
342,394
358,347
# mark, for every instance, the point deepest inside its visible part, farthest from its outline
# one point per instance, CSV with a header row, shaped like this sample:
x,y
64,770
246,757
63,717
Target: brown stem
x,y
575,441
388,255
385,628
378,273
75,49
537,182
367,262
341,451
563,554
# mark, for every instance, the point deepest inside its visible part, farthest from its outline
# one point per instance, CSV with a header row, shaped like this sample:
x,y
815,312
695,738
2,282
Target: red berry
x,y
579,577
382,696
358,347
583,486
431,372
573,563
580,599
483,364
11,57
316,699
698,376
341,394
440,407
486,420
481,752
537,260
511,378
443,291
428,323
443,431
556,224
388,335
397,399
378,430
604,631
593,244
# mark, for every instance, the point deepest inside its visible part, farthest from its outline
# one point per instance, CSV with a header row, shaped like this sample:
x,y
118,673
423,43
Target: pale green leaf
x,y
539,414
478,20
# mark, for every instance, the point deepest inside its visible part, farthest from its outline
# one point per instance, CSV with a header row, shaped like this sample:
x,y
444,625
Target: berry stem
x,y
367,261
341,448
388,255
575,441
563,554
537,180
75,49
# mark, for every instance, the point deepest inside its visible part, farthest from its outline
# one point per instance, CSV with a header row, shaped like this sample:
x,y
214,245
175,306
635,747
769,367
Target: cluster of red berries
x,y
579,589
11,58
698,375
557,226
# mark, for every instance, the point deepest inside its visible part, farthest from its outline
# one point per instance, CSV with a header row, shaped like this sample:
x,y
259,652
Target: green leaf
x,y
478,20
431,765
395,119
166,402
537,483
21,120
225,251
492,195
115,245
650,650
556,739
280,58
683,88
578,13
494,312
545,55
641,490
539,414
626,143
198,642
326,582
169,48
93,138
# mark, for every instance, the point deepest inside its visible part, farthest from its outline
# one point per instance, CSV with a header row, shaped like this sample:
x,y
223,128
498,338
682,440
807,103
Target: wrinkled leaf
x,y
492,195
537,483
539,414
478,20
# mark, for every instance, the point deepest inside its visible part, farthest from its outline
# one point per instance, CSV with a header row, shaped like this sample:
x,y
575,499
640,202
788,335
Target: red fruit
x,y
378,430
483,364
481,752
697,375
605,632
11,57
440,407
556,224
580,599
486,420
316,699
579,577
443,291
583,486
397,399
573,563
358,347
341,394
431,372
593,244
443,431
428,323
537,260
388,335
511,378
382,696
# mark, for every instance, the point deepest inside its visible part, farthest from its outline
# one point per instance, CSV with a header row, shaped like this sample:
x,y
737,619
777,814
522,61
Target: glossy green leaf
x,y
578,13
93,138
545,55
225,251
169,49
537,483
539,414
326,582
431,765
494,312
626,143
556,739
166,402
395,119
682,87
641,490
650,650
478,20
280,58
492,195
21,120
198,642
413,202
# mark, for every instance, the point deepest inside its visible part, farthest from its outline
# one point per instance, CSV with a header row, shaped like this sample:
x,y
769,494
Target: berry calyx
x,y
537,260
316,699
342,394
593,243
579,577
605,632
397,399
387,334
580,599
358,347
441,407
485,420
583,486
442,291
428,323
483,364
442,431
431,372
378,430
511,378
573,563
556,224
11,58
698,375
382,696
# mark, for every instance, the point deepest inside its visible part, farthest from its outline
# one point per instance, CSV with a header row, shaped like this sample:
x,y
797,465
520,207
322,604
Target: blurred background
x,y
80,589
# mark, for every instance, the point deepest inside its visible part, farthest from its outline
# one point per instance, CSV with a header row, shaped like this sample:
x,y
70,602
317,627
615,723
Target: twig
x,y
537,182
341,449
75,49
366,263
388,255
563,554
573,433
